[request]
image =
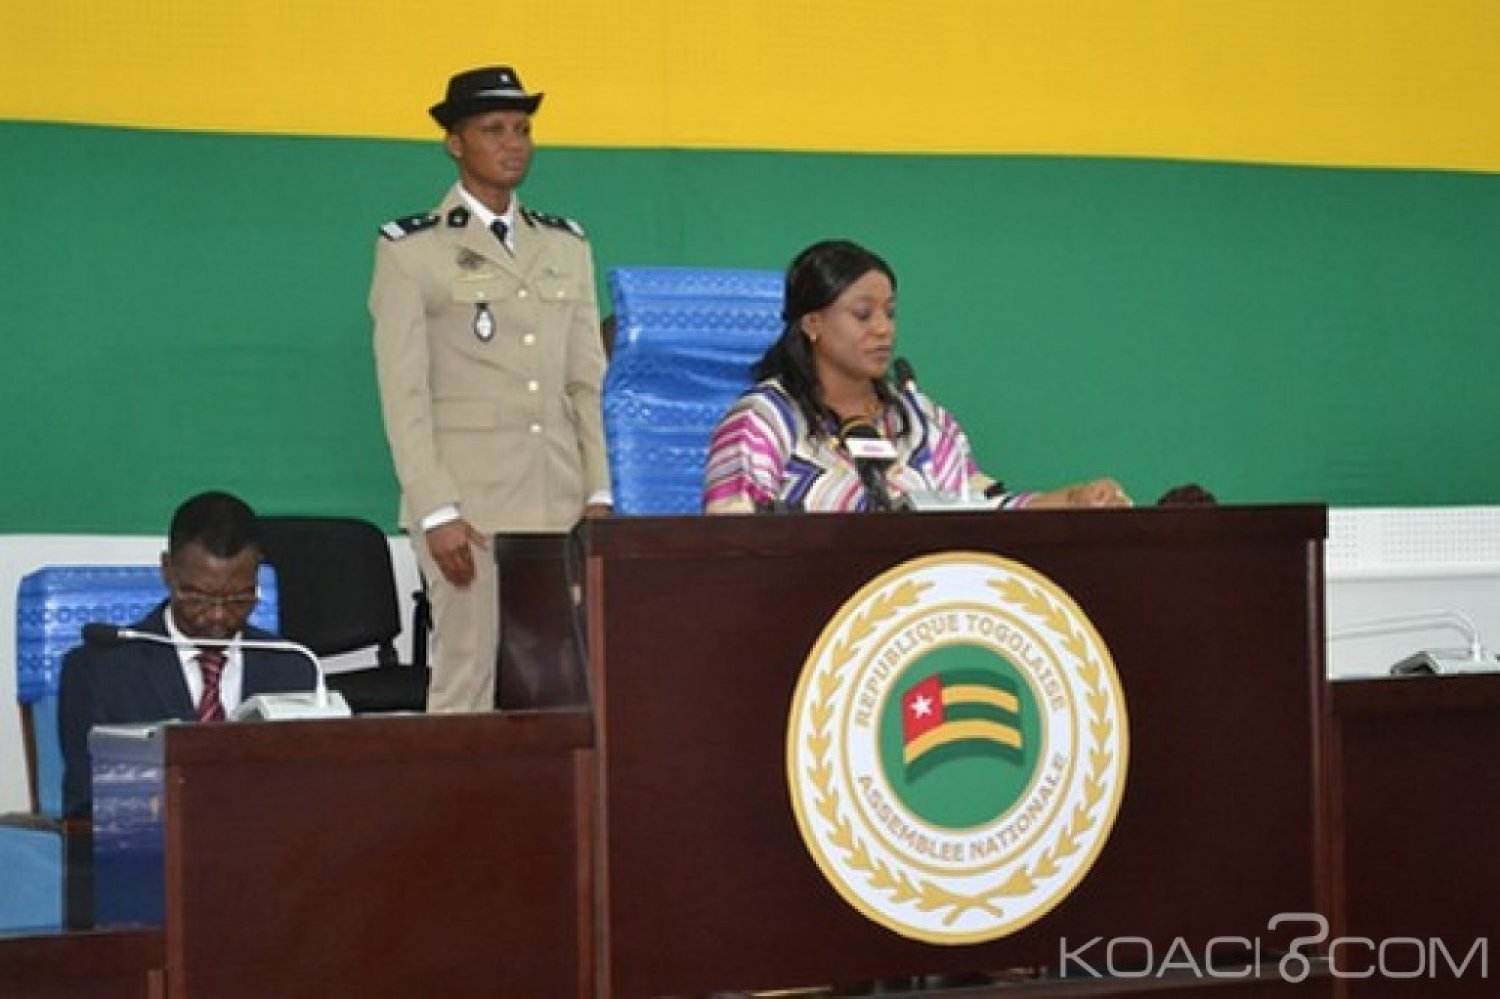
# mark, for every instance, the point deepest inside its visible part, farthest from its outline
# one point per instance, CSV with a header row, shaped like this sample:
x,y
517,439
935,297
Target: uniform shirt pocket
x,y
470,440
554,286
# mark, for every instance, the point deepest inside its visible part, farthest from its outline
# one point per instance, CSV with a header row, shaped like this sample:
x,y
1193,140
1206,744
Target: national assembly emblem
x,y
957,748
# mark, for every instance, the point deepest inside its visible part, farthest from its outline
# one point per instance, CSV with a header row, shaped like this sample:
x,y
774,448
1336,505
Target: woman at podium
x,y
825,429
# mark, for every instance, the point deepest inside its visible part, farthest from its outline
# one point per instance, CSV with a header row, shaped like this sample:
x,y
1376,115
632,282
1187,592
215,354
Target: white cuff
x,y
445,514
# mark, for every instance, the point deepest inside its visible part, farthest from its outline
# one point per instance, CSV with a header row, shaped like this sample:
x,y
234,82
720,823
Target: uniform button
x,y
529,339
561,294
533,386
535,428
521,293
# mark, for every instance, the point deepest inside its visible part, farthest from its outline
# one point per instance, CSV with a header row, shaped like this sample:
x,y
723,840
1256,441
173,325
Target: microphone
x,y
270,707
935,498
100,634
906,382
1472,659
872,455
906,378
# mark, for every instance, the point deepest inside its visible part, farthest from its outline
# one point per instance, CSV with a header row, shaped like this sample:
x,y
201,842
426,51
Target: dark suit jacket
x,y
142,682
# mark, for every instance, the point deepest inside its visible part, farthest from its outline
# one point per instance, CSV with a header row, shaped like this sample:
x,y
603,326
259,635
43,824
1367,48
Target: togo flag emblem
x,y
957,748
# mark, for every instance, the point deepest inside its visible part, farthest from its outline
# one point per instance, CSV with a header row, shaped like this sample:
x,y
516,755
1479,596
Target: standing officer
x,y
490,364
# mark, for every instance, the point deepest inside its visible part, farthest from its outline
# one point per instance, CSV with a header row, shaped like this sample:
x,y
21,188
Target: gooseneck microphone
x,y
906,378
937,498
872,455
324,705
906,383
1473,658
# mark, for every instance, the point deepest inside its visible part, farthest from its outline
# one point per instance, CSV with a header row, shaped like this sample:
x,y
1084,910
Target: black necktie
x,y
499,228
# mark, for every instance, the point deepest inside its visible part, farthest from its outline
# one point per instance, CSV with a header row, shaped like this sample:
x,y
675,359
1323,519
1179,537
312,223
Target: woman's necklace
x,y
870,409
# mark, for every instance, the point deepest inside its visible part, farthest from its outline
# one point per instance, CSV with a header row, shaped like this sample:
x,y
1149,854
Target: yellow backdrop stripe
x,y
1338,82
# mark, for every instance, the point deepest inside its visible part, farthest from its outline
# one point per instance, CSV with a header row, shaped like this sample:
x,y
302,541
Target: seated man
x,y
213,553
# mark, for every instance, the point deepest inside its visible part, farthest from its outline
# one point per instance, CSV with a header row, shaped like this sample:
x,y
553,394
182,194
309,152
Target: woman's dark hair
x,y
816,278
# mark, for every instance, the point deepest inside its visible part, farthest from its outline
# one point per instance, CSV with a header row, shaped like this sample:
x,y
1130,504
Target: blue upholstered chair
x,y
52,604
685,339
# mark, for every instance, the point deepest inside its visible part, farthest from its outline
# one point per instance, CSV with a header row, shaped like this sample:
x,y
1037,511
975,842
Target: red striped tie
x,y
210,707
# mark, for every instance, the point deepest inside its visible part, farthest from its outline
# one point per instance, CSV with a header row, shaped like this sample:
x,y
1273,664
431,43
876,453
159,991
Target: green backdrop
x,y
185,311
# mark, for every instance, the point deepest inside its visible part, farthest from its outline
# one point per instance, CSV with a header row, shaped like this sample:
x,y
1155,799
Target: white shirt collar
x,y
481,212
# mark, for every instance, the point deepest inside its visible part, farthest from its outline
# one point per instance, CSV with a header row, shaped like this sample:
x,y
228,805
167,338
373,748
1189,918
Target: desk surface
x,y
130,963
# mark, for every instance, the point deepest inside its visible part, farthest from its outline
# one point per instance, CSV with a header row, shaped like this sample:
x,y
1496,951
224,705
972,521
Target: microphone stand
x,y
934,498
873,478
320,703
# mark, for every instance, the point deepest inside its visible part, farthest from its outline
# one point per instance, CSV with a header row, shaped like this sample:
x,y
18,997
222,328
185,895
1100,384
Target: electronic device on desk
x,y
1444,662
1473,658
934,500
320,703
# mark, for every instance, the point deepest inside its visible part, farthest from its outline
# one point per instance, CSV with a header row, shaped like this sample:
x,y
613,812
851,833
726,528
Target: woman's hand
x,y
451,546
1098,494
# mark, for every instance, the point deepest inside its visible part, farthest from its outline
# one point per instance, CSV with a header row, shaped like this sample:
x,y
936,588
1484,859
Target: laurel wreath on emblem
x,y
926,895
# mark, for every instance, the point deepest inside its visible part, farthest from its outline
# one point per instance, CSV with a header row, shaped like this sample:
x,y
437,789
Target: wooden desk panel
x,y
1410,765
124,964
380,857
540,663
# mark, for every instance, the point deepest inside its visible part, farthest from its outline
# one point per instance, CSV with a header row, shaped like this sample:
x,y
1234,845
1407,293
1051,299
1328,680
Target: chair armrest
x,y
30,820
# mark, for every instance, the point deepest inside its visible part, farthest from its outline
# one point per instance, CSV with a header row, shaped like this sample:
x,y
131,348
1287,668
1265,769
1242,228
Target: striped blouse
x,y
761,455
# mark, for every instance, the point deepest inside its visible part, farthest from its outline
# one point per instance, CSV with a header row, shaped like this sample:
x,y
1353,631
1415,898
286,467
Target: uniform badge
x,y
484,323
468,260
458,217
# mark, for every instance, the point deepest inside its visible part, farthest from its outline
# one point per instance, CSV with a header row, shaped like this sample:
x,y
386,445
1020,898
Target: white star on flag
x,y
921,707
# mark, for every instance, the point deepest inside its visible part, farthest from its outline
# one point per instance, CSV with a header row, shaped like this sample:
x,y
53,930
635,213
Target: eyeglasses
x,y
234,603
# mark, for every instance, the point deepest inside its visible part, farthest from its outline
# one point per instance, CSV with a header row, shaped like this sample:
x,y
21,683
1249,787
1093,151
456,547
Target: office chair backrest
x,y
685,340
52,605
338,583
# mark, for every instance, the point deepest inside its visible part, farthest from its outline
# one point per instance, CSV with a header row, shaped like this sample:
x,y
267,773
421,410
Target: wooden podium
x,y
700,626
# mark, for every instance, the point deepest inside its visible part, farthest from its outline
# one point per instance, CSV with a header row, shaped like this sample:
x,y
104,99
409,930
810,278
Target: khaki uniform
x,y
490,368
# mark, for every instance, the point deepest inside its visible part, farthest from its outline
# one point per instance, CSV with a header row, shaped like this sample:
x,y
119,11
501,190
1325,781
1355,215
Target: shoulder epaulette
x,y
402,227
553,222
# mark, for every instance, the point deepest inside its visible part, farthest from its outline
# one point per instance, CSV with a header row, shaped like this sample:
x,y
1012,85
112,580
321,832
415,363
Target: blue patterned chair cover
x,y
684,343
